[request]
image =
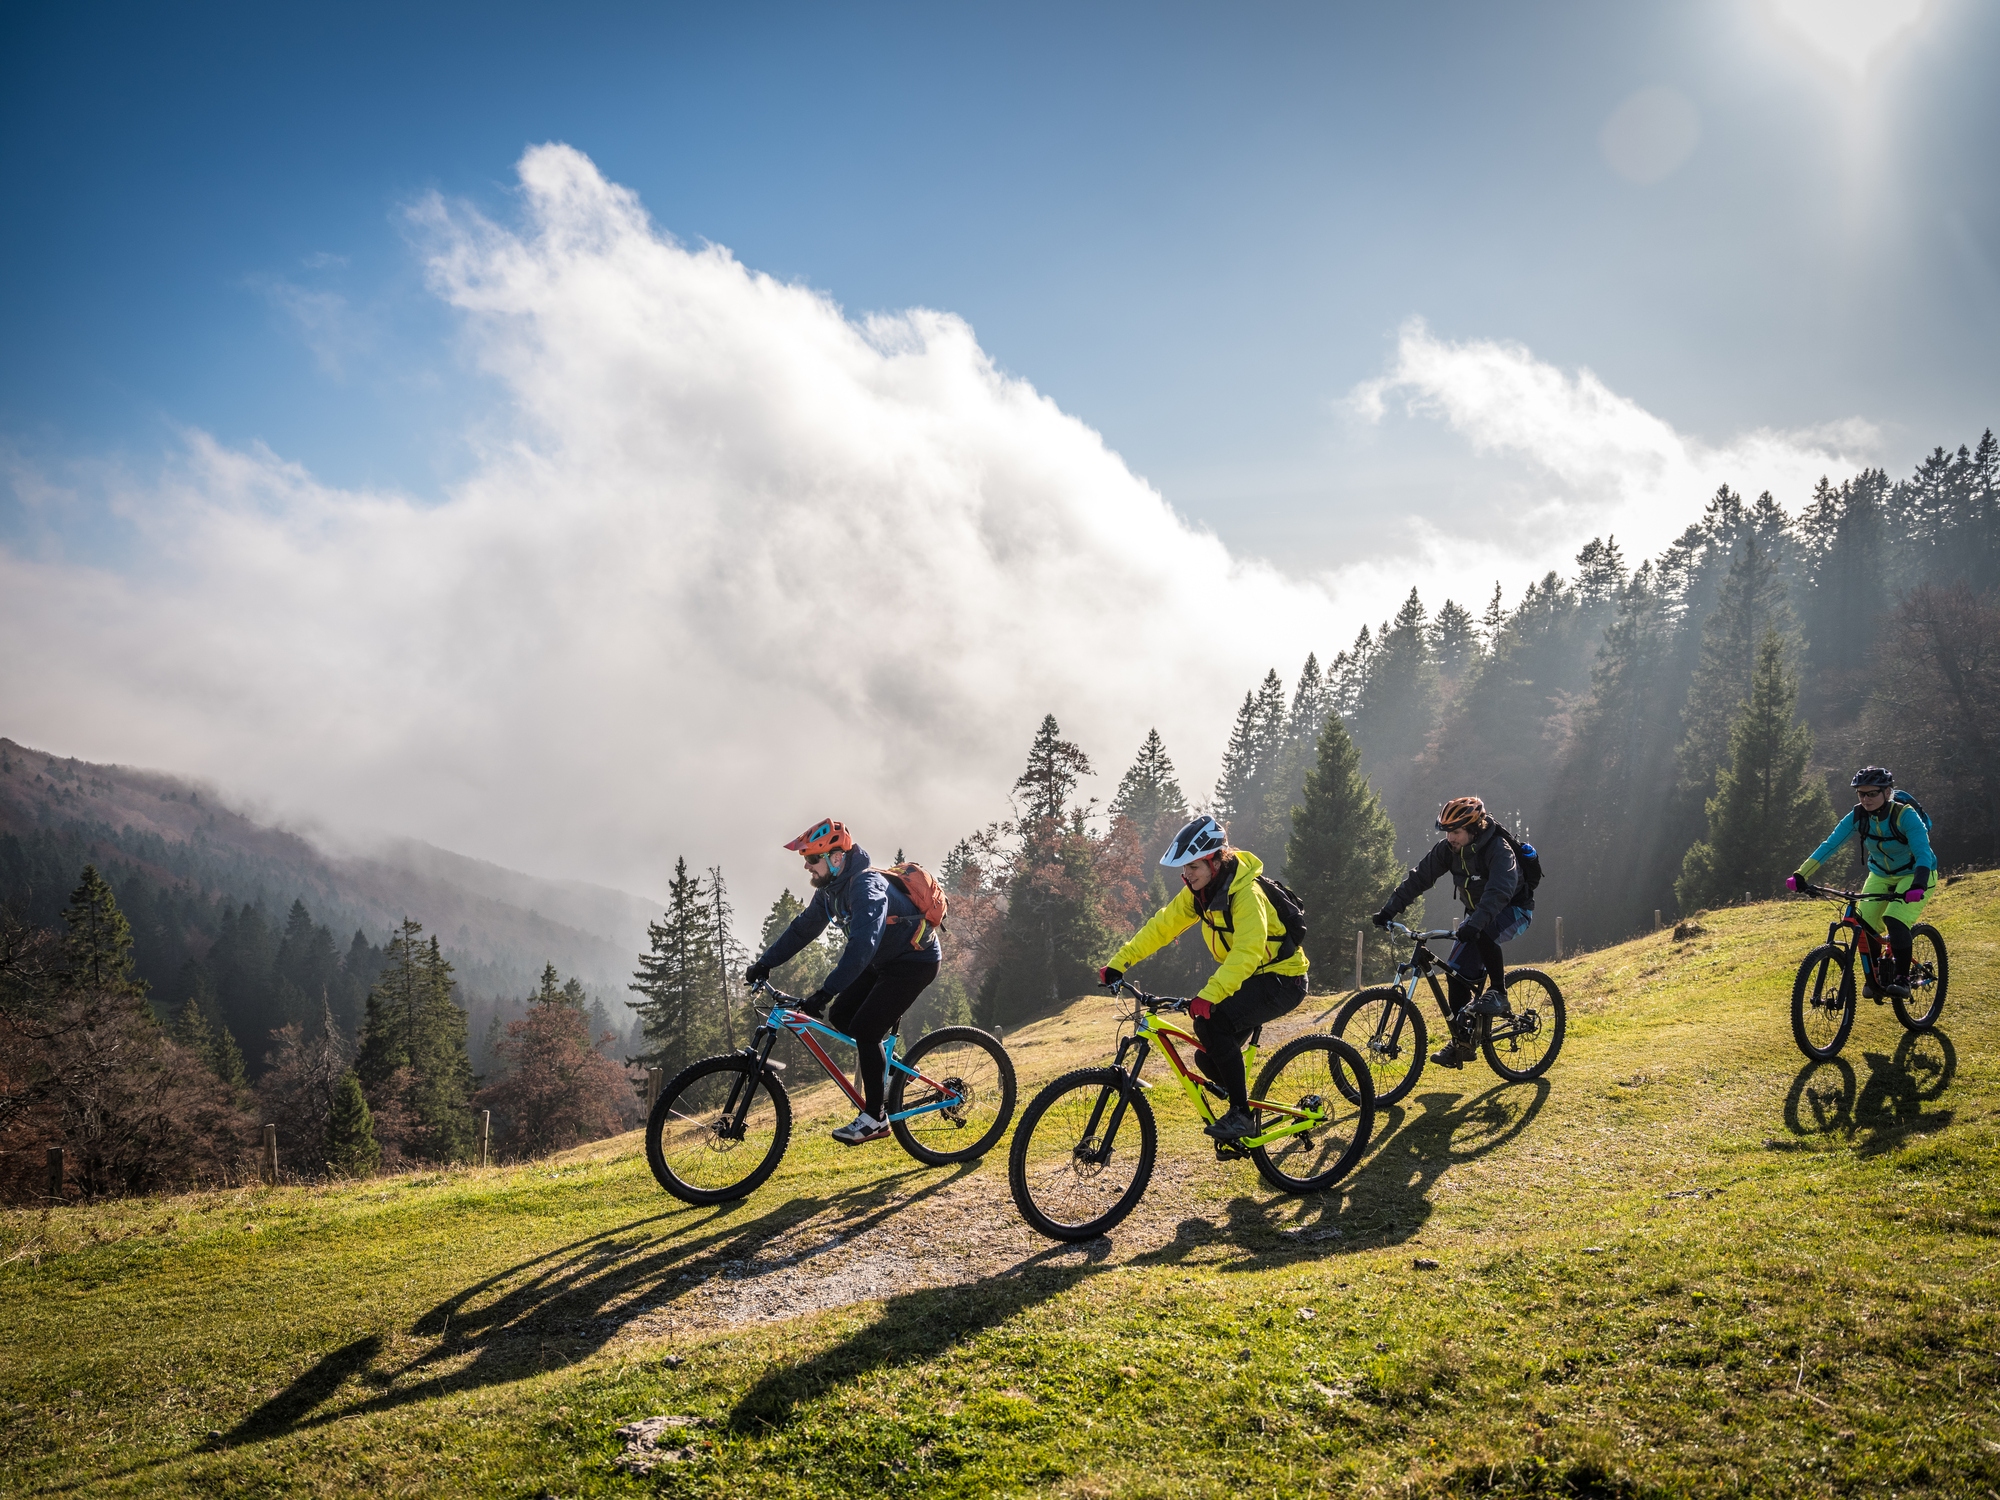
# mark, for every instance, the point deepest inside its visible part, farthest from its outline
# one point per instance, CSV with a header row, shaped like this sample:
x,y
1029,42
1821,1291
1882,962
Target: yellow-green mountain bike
x,y
1085,1148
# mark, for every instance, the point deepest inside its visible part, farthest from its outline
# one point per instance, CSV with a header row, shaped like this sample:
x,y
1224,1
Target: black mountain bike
x,y
1823,994
1387,1024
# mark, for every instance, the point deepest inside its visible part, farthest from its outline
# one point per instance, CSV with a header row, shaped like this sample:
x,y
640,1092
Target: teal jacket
x,y
1888,854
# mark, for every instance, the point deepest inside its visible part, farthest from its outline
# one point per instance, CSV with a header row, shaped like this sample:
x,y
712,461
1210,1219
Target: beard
x,y
819,881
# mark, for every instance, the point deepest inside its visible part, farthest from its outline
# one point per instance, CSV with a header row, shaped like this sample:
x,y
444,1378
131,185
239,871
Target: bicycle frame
x,y
1424,964
1861,937
1150,1030
786,1017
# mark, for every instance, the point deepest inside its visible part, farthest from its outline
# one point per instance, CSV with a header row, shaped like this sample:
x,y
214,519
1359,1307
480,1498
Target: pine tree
x,y
1148,793
806,970
1239,763
1054,768
730,959
351,1147
1751,604
1341,857
1600,573
413,1062
676,979
1768,809
97,951
1454,639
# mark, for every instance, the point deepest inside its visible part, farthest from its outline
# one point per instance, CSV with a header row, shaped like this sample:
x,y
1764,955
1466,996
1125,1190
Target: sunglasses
x,y
1871,791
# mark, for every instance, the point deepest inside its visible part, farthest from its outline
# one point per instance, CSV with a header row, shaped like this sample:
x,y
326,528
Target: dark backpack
x,y
1902,800
1530,861
1291,912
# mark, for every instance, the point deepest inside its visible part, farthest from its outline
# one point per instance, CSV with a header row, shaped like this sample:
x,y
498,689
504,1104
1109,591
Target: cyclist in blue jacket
x,y
892,956
1900,867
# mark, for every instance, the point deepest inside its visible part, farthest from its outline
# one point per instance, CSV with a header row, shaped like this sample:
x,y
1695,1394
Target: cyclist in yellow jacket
x,y
1263,968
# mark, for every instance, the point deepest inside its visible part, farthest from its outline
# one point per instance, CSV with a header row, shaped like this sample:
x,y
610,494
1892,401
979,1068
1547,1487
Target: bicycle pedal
x,y
1230,1151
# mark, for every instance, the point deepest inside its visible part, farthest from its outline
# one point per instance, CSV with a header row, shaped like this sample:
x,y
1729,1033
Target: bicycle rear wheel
x,y
1524,1045
1388,1030
1318,1075
1930,973
1823,1001
964,1065
1075,1168
718,1130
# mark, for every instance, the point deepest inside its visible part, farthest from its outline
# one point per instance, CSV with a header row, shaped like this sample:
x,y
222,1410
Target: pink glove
x,y
1915,894
1793,883
1200,1009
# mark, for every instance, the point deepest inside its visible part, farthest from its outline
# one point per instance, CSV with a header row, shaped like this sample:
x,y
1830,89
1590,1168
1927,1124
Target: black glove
x,y
1108,976
1466,933
815,1003
757,973
1382,918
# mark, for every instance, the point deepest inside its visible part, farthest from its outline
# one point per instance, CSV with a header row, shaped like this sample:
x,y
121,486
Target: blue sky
x,y
1365,291
1195,228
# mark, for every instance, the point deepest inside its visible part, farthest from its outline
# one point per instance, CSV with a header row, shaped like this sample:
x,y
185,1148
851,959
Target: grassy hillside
x,y
1681,1264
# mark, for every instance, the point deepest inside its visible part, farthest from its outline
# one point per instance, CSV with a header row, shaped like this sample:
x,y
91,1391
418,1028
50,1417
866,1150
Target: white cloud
x,y
736,562
731,561
1594,462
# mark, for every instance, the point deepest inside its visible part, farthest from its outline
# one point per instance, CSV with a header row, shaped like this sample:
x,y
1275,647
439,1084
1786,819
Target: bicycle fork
x,y
1101,1153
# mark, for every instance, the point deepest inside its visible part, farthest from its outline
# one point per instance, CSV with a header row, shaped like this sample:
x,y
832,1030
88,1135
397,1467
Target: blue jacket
x,y
1888,855
877,918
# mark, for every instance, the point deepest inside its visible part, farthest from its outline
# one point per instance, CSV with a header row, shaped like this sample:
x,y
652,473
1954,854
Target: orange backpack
x,y
914,881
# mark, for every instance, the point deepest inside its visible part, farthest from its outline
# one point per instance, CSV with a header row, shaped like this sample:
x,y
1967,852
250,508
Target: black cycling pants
x,y
1458,989
1263,997
869,1009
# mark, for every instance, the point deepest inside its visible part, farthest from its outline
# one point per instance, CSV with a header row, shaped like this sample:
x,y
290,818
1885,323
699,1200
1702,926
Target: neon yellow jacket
x,y
1243,938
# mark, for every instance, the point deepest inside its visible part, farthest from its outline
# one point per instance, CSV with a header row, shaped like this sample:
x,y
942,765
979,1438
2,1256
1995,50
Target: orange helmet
x,y
823,837
1461,812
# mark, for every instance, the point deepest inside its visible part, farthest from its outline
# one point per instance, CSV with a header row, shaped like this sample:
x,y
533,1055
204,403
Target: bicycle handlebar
x,y
1421,937
776,994
1834,894
1151,1002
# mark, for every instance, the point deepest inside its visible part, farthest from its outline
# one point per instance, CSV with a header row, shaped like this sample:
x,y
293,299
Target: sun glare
x,y
1853,34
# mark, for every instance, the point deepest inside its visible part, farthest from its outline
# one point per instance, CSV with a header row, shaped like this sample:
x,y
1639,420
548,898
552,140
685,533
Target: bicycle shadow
x,y
563,1305
1828,1102
914,1327
1388,1199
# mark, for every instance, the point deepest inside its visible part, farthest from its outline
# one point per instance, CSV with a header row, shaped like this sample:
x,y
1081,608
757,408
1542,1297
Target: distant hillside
x,y
498,926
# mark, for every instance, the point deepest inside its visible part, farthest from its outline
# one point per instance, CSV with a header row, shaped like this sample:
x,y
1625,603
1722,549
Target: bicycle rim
x,y
1388,1030
1524,1045
1077,1166
1930,974
695,1149
971,1071
1326,1079
1822,1002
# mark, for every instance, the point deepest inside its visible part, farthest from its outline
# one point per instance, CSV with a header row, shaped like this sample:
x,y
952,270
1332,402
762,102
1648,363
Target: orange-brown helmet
x,y
1461,812
823,837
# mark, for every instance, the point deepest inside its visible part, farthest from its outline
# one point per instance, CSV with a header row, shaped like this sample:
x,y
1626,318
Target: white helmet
x,y
1198,840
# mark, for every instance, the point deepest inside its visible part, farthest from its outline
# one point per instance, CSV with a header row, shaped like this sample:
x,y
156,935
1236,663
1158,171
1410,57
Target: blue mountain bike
x,y
720,1128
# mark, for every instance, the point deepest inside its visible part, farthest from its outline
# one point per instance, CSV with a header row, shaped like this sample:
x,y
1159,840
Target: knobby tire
x,y
1388,1029
1524,1045
1058,1185
1926,1003
685,1145
1321,1073
976,1067
1823,1002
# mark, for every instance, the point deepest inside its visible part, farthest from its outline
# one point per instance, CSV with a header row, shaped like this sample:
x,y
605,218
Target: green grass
x,y
1681,1264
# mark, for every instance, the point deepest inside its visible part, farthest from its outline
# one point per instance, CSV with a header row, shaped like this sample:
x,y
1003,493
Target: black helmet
x,y
1201,838
1873,776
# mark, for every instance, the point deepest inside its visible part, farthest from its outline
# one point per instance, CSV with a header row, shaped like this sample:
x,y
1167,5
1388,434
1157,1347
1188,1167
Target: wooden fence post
x,y
1656,919
485,1133
1357,957
1559,939
56,1172
652,1088
271,1154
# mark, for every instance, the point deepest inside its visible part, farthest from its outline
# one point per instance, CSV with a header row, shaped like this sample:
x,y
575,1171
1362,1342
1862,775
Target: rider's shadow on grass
x,y
1829,1103
573,1300
1387,1200
915,1327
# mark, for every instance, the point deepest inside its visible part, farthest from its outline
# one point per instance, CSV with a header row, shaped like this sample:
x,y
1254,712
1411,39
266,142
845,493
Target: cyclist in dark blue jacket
x,y
892,956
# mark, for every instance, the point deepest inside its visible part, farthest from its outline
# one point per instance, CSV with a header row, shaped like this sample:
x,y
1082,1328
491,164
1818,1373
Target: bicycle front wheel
x,y
1325,1080
718,1130
1823,1002
970,1074
1083,1154
1524,1045
1930,973
1386,1027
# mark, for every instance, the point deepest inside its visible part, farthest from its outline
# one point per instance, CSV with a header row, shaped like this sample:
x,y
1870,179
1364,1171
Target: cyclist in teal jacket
x,y
1900,867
